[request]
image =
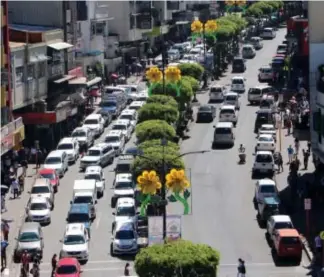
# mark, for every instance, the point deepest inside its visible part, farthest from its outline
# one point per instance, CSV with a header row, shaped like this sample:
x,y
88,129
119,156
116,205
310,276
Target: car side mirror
x,y
66,219
103,179
60,240
214,126
114,213
71,202
138,213
96,201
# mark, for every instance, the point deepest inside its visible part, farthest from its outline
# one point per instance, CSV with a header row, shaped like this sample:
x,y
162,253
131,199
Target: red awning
x,y
38,118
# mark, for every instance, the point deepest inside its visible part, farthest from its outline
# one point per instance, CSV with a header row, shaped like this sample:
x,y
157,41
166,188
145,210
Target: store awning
x,y
78,81
65,78
60,45
94,81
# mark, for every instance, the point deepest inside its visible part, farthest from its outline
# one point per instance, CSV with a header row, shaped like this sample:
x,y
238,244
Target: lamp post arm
x,y
191,153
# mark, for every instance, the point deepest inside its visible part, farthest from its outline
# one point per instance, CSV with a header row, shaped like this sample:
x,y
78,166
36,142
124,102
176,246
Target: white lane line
x,y
98,220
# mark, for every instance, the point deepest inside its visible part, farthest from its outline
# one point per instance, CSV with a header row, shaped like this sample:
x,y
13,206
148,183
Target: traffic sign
x,y
322,235
307,204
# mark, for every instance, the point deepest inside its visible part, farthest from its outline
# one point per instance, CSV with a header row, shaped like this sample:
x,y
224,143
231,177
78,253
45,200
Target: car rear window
x,y
238,62
237,81
255,91
227,111
260,158
290,240
219,90
223,131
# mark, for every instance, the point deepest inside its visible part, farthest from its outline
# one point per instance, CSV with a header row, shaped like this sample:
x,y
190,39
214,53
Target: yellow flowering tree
x,y
148,183
173,76
231,5
178,184
196,30
154,76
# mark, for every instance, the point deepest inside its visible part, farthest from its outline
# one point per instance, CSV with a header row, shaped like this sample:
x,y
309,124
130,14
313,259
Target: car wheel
x,y
112,250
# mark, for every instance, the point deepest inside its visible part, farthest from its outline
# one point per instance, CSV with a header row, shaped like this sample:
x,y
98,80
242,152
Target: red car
x,y
52,175
68,267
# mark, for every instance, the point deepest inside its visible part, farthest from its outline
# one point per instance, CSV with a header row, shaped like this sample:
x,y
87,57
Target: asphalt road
x,y
222,213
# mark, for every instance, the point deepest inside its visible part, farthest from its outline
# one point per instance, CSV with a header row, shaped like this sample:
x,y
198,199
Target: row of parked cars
x,y
86,192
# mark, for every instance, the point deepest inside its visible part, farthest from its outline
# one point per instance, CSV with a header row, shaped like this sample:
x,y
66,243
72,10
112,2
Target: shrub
x,y
240,22
194,70
158,111
157,143
154,129
254,11
193,82
163,99
177,258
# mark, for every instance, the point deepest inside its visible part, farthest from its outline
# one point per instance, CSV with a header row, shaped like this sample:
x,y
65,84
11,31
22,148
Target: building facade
x,y
316,44
12,131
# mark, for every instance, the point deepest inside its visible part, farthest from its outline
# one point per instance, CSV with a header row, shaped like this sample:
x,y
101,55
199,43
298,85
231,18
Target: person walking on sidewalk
x,y
289,125
5,229
241,270
297,145
54,264
24,165
21,181
4,245
290,151
15,188
318,245
126,270
306,155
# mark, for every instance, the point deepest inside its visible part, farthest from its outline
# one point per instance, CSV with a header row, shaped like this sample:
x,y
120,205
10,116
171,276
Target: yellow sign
x,y
19,135
322,235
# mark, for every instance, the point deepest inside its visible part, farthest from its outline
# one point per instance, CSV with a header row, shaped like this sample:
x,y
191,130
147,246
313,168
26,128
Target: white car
x,y
268,33
263,163
135,90
232,98
136,105
95,122
265,74
76,242
129,115
228,113
248,51
123,125
43,187
216,93
125,211
101,154
117,140
265,143
96,173
196,51
268,129
265,188
124,239
238,84
71,148
142,96
124,186
57,160
84,136
277,222
39,210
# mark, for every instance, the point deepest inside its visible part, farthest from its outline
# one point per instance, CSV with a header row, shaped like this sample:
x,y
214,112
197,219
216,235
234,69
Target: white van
x,y
255,94
224,133
238,84
248,51
228,114
95,123
216,93
57,160
268,33
71,147
232,98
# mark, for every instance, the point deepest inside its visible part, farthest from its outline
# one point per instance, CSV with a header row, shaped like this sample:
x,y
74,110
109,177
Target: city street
x,y
222,213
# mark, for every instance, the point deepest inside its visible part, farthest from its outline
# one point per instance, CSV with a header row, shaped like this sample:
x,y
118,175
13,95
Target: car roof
x,y
267,125
231,94
128,111
217,86
126,201
247,45
93,116
67,261
93,169
136,103
99,146
224,125
264,111
74,228
229,107
38,199
125,159
46,170
281,218
67,140
82,128
40,182
266,67
121,121
30,227
263,153
237,77
124,177
266,181
261,86
55,153
288,233
114,133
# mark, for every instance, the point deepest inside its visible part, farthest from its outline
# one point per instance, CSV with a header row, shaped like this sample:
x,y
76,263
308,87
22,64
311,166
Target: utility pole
x,y
65,34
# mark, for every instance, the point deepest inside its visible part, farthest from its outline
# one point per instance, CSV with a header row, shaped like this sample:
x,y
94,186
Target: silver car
x,y
30,239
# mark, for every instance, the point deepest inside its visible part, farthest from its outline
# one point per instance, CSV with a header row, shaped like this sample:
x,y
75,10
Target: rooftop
x,y
31,28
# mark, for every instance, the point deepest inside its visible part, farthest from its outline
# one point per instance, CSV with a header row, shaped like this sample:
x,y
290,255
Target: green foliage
x,y
157,143
276,5
264,6
177,258
254,11
194,70
193,82
163,99
154,129
158,111
239,21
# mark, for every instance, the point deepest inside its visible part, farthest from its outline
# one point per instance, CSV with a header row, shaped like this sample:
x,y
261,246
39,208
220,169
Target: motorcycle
x,y
242,158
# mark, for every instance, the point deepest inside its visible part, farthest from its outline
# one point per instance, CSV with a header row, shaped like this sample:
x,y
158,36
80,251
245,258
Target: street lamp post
x,y
163,171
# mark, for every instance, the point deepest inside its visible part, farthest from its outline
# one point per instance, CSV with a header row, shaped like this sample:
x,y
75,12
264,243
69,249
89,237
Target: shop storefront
x,y
12,135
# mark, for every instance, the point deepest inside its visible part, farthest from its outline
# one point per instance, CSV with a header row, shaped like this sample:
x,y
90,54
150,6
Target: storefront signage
x,y
8,133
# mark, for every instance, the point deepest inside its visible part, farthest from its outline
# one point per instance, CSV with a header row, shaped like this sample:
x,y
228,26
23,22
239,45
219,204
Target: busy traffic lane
x,y
223,213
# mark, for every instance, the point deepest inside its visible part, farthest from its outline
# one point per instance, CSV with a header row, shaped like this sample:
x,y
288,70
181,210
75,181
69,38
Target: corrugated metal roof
x,y
13,44
31,28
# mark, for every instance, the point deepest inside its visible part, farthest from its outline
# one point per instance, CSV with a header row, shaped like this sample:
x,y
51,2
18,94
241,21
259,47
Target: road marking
x,y
98,220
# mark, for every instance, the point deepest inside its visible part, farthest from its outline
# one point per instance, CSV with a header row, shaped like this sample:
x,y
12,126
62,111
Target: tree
x,y
157,143
194,70
177,258
154,129
265,7
163,99
158,111
193,82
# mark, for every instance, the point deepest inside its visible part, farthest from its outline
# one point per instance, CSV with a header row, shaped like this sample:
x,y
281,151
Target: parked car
x,y
51,174
238,65
206,113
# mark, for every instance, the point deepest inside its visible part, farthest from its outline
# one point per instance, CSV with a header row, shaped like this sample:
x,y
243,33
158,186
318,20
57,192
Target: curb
x,y
307,249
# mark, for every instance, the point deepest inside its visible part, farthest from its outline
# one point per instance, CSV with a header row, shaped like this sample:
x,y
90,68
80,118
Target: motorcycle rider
x,y
241,149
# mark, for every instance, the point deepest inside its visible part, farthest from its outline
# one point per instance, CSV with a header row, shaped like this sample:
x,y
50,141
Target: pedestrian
x,y
289,124
309,146
54,264
3,203
126,270
24,165
306,155
25,260
15,188
297,145
7,163
33,155
4,245
39,157
21,182
241,270
5,229
318,245
290,154
280,162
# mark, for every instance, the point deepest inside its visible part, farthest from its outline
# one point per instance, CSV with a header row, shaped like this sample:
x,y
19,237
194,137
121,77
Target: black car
x,y
206,113
264,116
238,65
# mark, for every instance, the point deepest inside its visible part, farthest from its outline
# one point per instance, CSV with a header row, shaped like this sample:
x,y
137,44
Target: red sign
x,y
38,118
77,72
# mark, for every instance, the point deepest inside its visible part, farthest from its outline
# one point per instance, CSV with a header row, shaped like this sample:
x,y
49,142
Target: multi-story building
x,y
316,44
12,131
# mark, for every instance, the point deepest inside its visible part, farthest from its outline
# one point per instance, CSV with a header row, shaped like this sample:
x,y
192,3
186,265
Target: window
x,y
19,75
30,72
98,28
41,69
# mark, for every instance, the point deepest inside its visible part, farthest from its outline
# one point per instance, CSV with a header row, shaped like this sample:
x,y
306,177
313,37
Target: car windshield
x,y
78,217
132,151
93,153
108,104
112,139
40,190
216,90
266,70
50,176
65,146
237,62
267,128
230,98
290,240
119,127
125,211
92,177
261,158
267,189
53,160
74,239
237,82
283,225
28,237
255,91
82,200
223,131
38,206
226,111
66,270
76,134
91,121
123,185
126,116
204,109
123,168
266,139
282,47
124,235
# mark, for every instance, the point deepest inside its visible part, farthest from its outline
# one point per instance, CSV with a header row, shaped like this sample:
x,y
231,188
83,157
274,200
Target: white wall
x,y
18,88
